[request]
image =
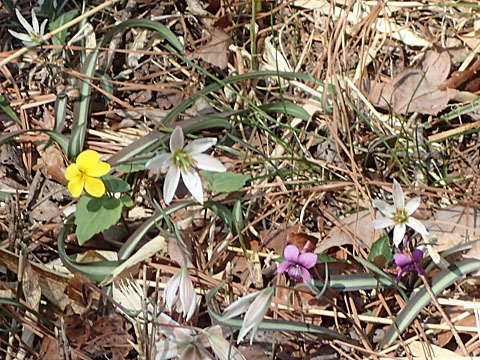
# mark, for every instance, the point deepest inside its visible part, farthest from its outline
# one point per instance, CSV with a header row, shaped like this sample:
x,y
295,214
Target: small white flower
x,y
255,309
35,32
179,291
184,160
398,215
180,342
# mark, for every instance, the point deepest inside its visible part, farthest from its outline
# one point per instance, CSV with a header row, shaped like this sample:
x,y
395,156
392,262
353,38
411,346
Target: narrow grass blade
x,y
216,86
59,138
273,325
288,108
5,106
45,321
420,299
81,110
165,32
132,242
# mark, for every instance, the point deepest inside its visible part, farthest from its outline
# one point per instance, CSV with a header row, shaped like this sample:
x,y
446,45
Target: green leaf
x,y
5,106
59,39
224,182
324,258
115,185
380,252
94,215
130,168
126,200
288,108
106,84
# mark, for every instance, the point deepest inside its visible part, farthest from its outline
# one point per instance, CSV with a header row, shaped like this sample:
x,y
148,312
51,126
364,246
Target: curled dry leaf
x,y
416,89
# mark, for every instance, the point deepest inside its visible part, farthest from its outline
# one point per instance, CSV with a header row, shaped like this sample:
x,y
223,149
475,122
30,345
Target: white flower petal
x,y
382,223
386,209
166,350
188,297
176,139
209,163
20,36
412,205
159,162
238,306
24,22
42,28
36,27
171,289
192,181
398,233
417,226
200,145
222,349
255,314
173,331
398,199
171,183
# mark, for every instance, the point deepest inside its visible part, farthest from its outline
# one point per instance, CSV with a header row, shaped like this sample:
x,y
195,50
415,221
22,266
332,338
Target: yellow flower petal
x,y
76,186
94,186
72,172
87,159
99,169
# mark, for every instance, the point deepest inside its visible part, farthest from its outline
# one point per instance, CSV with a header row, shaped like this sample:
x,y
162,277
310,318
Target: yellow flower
x,y
85,173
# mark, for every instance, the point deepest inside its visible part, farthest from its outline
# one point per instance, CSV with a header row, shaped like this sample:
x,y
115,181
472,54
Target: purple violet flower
x,y
407,263
296,264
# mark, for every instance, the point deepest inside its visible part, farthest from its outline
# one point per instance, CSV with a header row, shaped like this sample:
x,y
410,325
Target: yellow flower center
x,y
182,159
36,38
400,216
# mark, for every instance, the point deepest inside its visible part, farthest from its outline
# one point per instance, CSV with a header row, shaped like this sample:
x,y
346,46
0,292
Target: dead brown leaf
x,y
215,52
52,282
357,225
49,349
474,252
110,334
277,239
31,287
454,311
416,89
453,226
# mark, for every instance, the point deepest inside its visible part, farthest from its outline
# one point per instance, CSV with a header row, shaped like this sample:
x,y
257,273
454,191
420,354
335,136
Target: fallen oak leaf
x,y
416,89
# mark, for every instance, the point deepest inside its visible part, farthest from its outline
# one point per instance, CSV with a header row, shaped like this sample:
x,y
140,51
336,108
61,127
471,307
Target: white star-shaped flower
x,y
398,215
34,32
185,160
